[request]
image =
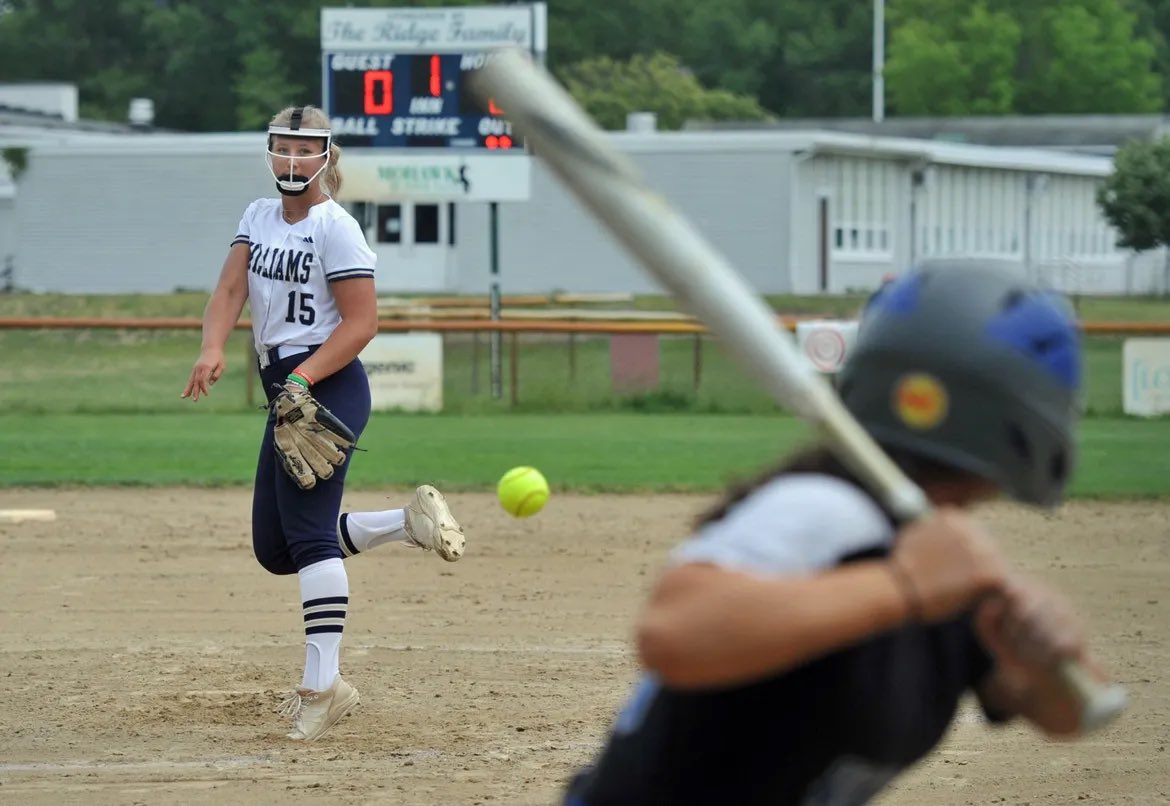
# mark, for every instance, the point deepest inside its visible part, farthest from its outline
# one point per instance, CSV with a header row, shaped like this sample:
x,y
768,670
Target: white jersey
x,y
796,523
291,266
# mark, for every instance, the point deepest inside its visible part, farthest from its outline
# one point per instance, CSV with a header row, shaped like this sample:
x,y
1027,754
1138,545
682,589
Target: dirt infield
x,y
145,654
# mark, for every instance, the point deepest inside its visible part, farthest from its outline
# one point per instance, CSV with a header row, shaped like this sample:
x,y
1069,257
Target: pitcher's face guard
x,y
285,147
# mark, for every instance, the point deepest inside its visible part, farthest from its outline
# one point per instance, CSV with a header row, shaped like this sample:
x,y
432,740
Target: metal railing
x,y
513,327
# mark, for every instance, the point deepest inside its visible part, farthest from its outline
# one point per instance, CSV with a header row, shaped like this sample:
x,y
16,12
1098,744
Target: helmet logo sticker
x,y
920,401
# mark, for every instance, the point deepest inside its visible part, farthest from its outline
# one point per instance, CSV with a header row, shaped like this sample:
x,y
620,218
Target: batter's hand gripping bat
x,y
674,252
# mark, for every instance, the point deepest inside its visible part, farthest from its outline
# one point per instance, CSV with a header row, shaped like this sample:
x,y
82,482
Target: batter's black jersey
x,y
832,732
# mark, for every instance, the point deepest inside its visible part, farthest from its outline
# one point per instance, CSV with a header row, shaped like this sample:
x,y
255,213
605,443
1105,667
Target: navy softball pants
x,y
294,528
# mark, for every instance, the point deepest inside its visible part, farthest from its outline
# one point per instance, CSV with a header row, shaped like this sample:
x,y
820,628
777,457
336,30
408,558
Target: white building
x,y
796,211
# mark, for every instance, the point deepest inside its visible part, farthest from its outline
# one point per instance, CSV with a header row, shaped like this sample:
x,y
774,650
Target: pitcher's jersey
x,y
292,265
831,732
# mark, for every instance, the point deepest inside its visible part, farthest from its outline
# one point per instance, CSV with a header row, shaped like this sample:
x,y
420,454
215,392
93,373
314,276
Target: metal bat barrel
x,y
682,260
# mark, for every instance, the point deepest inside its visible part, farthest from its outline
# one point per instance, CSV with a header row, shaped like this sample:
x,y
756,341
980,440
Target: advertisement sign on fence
x,y
405,371
826,342
1145,377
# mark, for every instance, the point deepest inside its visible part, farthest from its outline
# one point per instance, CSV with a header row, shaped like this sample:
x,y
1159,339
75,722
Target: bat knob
x,y
1103,707
1100,703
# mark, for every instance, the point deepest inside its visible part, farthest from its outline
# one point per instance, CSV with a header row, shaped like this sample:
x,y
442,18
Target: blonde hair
x,y
313,117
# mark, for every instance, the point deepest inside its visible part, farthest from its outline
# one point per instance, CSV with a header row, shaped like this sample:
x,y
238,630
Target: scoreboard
x,y
410,100
395,86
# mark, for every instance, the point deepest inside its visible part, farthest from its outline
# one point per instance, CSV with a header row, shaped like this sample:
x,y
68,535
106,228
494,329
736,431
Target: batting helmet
x,y
973,368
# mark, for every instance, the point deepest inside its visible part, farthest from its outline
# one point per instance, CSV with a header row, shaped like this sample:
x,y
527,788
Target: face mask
x,y
291,183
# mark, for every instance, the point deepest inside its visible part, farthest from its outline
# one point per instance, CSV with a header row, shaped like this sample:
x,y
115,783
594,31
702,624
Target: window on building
x,y
864,193
389,223
426,223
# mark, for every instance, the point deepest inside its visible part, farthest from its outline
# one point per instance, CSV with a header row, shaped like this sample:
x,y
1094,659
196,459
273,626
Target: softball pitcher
x,y
303,264
804,647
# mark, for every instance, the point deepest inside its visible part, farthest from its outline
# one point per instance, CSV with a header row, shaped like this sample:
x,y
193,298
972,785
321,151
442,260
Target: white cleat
x,y
431,526
315,712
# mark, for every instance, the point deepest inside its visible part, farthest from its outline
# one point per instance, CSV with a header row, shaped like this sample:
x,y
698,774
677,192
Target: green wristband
x,y
298,379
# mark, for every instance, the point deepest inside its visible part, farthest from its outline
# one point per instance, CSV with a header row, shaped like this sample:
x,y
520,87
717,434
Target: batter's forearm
x,y
708,627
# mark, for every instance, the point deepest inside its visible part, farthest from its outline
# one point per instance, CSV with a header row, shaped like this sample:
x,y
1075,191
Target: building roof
x,y
1101,134
16,116
143,142
797,142
901,148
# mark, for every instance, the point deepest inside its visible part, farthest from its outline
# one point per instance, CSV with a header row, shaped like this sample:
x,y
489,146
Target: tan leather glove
x,y
310,441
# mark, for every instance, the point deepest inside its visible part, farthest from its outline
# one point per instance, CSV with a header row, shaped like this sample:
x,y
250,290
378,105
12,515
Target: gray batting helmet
x,y
973,368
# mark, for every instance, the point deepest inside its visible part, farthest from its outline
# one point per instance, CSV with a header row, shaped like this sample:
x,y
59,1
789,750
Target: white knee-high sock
x,y
362,531
325,599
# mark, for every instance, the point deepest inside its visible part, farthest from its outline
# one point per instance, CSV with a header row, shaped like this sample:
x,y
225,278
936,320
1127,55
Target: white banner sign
x,y
405,371
389,176
826,342
1145,378
435,30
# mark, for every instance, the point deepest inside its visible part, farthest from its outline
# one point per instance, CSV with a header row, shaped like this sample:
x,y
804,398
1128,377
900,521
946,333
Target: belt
x,y
269,357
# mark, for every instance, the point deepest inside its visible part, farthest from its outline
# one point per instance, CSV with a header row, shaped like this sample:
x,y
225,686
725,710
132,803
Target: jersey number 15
x,y
307,313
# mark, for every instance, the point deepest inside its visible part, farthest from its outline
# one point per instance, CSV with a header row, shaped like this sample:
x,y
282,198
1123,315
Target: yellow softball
x,y
523,491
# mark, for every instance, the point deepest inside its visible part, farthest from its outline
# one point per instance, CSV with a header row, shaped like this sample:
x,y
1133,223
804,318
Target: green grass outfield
x,y
591,452
190,303
141,371
102,407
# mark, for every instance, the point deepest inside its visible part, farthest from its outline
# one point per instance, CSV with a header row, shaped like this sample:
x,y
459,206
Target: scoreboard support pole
x,y
402,104
494,299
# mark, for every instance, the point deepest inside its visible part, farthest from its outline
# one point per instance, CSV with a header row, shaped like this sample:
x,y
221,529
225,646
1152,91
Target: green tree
x,y
98,48
208,65
967,70
263,88
1135,198
799,57
725,46
278,58
586,29
200,63
218,64
822,63
1153,23
1070,56
609,89
1088,58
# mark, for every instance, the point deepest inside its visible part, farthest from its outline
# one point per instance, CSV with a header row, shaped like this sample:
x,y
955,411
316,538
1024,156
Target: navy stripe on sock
x,y
325,614
344,526
323,628
324,600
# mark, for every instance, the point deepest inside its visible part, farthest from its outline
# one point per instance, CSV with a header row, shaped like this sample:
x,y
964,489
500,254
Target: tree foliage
x,y
608,89
1153,22
1087,57
966,70
823,63
1135,199
1039,57
225,64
